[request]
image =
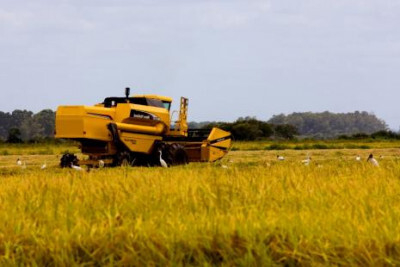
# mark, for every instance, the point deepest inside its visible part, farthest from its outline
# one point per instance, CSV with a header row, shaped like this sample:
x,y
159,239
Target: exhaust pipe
x,y
127,92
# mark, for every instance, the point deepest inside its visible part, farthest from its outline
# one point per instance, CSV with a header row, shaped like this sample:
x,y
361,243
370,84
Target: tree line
x,y
324,125
331,125
382,135
249,128
25,126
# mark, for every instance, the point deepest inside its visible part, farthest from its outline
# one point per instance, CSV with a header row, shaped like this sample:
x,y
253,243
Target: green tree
x,y
18,116
5,124
14,136
46,119
31,129
245,128
286,131
245,131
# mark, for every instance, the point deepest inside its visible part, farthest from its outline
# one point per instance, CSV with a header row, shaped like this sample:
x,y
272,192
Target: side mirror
x,y
127,92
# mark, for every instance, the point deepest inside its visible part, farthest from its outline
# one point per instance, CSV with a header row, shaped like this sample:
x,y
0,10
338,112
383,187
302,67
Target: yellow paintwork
x,y
217,133
122,112
217,145
91,122
76,122
157,129
138,128
181,127
142,143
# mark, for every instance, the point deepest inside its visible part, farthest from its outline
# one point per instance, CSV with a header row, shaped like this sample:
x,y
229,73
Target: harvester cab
x,y
137,130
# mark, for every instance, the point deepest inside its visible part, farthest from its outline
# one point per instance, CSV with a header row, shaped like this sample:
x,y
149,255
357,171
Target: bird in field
x,y
21,163
44,166
372,160
358,158
101,163
224,166
162,162
280,158
77,168
306,161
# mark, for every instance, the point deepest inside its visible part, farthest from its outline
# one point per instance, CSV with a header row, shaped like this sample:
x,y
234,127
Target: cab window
x,y
167,105
154,103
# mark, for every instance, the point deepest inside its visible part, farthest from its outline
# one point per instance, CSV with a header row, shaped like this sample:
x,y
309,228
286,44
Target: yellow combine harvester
x,y
137,131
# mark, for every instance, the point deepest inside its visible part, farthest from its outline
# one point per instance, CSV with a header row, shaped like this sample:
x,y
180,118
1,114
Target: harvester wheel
x,y
177,155
123,159
67,160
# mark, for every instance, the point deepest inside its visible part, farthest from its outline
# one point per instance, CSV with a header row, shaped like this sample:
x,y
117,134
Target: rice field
x,y
248,209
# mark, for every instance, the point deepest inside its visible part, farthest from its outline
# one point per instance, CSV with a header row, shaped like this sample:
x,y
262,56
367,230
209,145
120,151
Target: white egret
x,y
372,160
44,166
306,161
280,158
162,162
101,163
77,168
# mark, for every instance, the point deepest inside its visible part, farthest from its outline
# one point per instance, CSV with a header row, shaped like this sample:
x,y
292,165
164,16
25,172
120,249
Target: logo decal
x,y
143,115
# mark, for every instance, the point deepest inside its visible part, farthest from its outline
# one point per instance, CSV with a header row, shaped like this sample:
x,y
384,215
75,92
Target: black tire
x,y
123,158
68,159
173,154
179,155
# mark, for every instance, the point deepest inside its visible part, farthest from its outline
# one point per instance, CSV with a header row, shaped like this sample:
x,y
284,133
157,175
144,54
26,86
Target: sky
x,y
231,58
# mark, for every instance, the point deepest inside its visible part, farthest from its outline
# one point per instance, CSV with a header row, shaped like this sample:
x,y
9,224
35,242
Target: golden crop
x,y
249,209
